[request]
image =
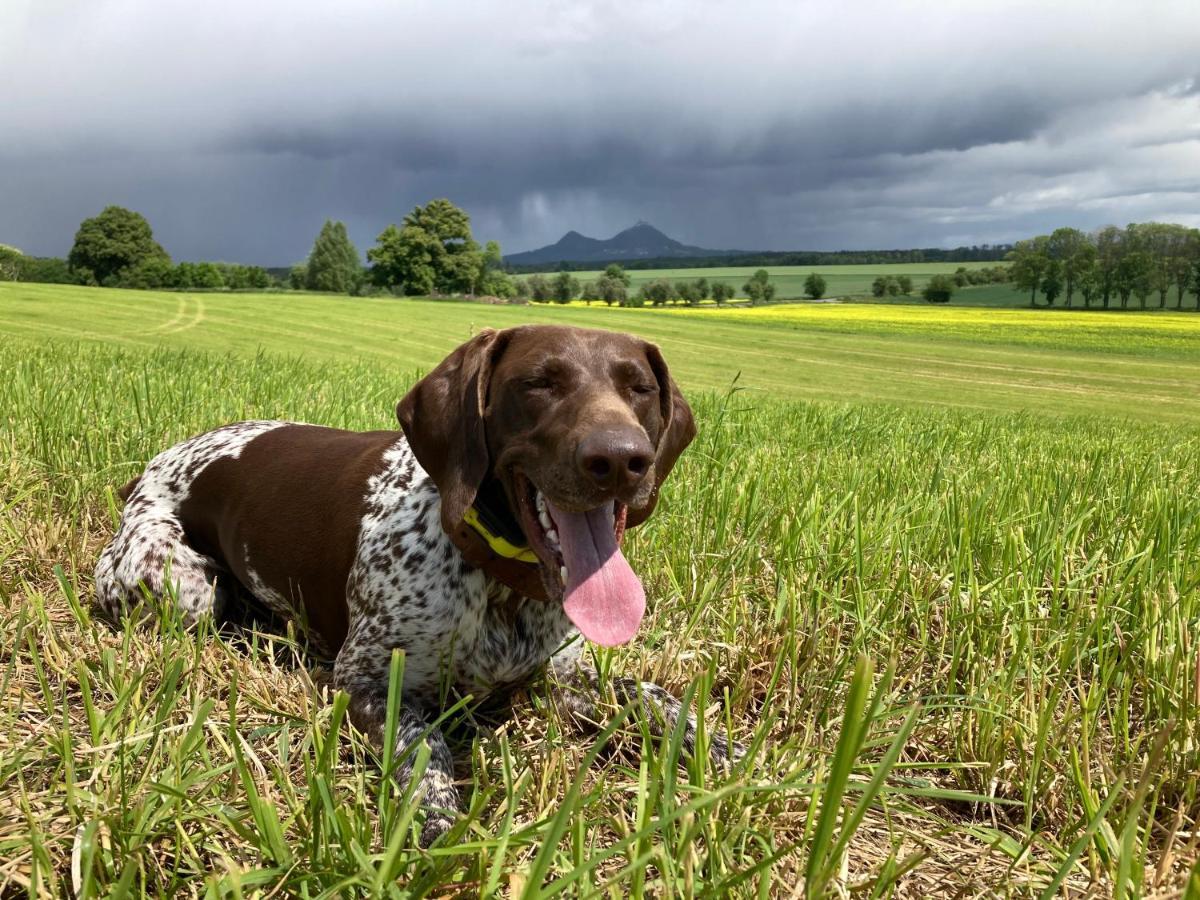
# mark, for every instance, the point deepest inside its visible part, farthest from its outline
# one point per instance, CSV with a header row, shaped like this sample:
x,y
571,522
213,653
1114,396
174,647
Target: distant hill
x,y
642,241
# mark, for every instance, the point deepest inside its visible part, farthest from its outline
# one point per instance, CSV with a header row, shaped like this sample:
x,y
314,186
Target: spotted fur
x,y
408,587
149,550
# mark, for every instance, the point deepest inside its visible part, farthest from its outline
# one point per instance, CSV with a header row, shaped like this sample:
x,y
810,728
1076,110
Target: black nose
x,y
615,458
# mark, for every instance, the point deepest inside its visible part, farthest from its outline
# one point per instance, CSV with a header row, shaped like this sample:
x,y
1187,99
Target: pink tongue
x,y
604,598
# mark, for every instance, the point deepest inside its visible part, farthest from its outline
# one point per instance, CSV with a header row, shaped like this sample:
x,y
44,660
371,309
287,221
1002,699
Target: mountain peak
x,y
641,226
639,241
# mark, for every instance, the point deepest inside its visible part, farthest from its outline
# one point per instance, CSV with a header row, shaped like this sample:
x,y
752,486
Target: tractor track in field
x,y
185,318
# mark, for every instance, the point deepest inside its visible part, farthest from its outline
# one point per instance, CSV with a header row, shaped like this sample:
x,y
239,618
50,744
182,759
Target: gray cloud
x,y
238,128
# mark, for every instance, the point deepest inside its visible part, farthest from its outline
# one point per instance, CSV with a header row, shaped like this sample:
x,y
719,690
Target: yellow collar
x,y
499,545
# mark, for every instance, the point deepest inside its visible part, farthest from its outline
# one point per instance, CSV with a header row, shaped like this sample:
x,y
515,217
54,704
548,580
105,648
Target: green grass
x,y
841,281
1137,365
960,635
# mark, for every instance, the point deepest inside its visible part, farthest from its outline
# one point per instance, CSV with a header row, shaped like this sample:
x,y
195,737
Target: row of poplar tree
x,y
1111,266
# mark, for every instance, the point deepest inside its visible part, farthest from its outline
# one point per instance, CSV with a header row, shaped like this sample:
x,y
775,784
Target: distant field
x,y
1141,365
841,281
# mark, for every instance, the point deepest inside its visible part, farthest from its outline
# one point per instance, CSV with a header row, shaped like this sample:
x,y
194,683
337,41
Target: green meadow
x,y
939,568
1138,366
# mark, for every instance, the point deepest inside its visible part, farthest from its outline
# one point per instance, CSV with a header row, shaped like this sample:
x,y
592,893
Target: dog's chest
x,y
410,588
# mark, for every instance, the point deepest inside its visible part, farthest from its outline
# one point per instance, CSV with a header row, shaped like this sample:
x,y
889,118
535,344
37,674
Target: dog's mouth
x,y
581,563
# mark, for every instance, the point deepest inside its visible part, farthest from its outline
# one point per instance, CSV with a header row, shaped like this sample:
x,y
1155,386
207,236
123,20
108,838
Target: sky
x,y
238,127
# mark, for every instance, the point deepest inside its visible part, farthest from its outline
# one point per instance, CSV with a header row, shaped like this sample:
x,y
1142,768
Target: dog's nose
x,y
615,458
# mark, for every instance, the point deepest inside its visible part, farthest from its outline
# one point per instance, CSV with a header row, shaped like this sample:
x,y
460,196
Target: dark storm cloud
x,y
238,128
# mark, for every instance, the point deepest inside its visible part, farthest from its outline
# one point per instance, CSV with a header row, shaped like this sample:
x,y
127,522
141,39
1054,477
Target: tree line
x,y
433,252
430,252
613,288
1113,264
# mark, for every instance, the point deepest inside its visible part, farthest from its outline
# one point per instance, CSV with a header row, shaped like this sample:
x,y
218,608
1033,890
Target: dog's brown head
x,y
579,428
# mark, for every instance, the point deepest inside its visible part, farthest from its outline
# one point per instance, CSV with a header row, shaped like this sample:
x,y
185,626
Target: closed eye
x,y
537,383
645,388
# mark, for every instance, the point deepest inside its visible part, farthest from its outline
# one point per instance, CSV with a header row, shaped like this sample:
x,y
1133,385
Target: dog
x,y
482,539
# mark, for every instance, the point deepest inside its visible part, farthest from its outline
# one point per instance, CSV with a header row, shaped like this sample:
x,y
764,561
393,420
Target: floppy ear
x,y
442,417
678,429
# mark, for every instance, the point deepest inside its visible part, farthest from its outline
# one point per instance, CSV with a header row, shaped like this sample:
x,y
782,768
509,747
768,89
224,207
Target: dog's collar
x,y
490,539
491,516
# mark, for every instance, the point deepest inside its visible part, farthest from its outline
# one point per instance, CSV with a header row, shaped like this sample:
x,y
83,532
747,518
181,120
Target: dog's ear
x,y
442,417
678,429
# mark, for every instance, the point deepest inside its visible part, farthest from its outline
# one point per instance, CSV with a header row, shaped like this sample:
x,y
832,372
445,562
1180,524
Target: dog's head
x,y
579,428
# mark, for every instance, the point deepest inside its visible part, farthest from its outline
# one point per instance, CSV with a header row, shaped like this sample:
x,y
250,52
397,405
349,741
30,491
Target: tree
x,y
432,253
1089,283
149,274
814,286
1080,263
402,259
333,264
493,280
207,275
1065,246
1133,276
298,277
904,284
1052,281
960,277
615,271
11,263
759,288
939,289
1185,251
45,270
259,277
887,286
1194,280
1029,262
185,275
611,289
685,292
1186,254
1141,278
110,242
722,292
590,291
1109,250
564,288
658,292
539,289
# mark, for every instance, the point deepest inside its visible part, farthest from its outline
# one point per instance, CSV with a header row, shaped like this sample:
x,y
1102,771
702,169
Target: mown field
x,y
841,281
1141,366
939,568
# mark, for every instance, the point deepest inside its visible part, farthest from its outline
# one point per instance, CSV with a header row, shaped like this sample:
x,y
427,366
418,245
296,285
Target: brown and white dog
x,y
481,541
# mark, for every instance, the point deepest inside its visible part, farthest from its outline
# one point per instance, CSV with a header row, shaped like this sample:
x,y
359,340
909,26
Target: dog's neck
x,y
490,539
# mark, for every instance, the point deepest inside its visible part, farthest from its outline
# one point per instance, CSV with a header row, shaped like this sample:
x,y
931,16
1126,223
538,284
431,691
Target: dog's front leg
x,y
440,798
576,689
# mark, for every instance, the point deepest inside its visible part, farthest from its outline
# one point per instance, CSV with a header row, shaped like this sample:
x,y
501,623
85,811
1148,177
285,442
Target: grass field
x,y
940,568
1141,366
841,281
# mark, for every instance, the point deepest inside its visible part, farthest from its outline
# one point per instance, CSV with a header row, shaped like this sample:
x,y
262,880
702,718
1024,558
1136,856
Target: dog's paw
x,y
436,825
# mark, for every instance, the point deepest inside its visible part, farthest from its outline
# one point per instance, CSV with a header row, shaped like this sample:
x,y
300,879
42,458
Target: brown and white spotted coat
x,y
346,531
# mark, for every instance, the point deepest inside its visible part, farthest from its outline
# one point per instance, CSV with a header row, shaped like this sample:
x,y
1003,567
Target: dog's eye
x,y
642,388
537,383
